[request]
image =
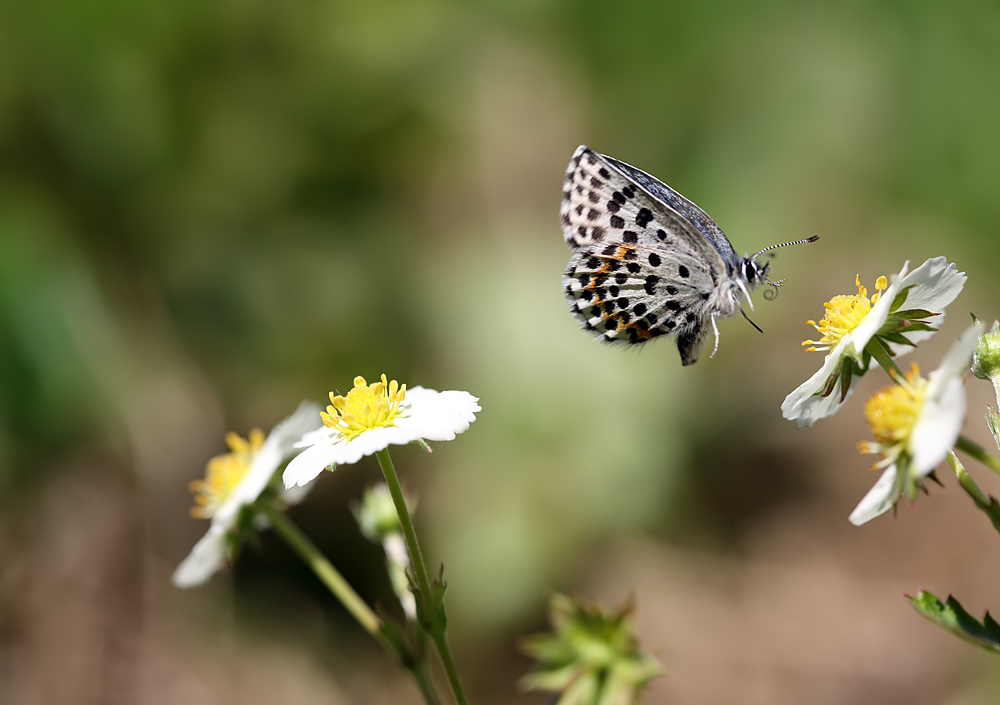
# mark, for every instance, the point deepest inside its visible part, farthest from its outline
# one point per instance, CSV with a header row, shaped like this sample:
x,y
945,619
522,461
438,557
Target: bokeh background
x,y
212,210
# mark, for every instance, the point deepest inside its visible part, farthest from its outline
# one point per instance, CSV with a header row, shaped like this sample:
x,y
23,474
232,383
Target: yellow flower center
x,y
843,314
893,412
224,473
365,407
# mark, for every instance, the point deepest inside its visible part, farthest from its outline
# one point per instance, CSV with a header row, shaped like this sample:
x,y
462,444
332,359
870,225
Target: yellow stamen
x,y
224,473
892,414
843,314
365,407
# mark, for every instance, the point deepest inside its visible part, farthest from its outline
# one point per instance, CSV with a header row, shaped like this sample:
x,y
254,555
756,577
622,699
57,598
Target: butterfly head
x,y
755,273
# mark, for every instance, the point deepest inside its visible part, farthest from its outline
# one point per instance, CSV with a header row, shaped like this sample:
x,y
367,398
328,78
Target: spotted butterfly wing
x,y
691,213
640,268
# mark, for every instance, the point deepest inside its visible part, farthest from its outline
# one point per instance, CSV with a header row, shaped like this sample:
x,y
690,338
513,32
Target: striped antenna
x,y
814,238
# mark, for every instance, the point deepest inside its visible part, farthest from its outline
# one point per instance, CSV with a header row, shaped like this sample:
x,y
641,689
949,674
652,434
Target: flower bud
x,y
986,359
592,657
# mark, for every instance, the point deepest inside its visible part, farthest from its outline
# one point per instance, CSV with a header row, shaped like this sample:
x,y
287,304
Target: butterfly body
x,y
646,261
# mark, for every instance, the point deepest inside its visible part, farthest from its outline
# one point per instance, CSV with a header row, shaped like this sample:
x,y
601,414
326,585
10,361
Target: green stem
x,y
979,453
342,590
879,353
424,682
968,484
986,504
441,641
325,571
434,626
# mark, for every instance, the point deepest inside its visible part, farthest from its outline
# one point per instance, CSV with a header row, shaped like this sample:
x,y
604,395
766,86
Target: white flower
x,y
915,424
910,310
372,417
235,480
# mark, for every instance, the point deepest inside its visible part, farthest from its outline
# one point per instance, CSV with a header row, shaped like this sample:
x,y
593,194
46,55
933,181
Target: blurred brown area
x,y
210,211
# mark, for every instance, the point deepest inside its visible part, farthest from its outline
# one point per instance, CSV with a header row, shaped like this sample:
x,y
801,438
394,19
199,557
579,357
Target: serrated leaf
x,y
953,617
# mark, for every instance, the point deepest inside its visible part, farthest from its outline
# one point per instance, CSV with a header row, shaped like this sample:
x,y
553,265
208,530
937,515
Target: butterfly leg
x,y
716,329
745,293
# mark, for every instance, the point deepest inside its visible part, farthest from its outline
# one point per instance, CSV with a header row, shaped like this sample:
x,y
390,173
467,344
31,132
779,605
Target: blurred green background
x,y
212,210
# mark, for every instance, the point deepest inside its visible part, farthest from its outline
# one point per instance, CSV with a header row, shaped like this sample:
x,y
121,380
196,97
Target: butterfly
x,y
648,262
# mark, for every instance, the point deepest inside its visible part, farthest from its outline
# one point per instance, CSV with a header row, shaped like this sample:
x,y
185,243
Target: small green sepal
x,y
953,617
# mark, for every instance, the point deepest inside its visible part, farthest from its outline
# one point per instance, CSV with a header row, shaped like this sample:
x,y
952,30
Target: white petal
x,y
307,465
435,416
317,435
943,414
937,428
439,416
937,283
206,558
305,419
957,360
271,455
879,499
804,405
875,319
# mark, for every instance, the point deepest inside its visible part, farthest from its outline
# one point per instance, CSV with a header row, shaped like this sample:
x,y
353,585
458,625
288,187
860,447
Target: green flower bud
x,y
986,359
591,658
376,513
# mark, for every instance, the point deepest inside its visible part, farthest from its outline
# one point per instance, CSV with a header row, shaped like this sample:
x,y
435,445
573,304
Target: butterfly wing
x,y
632,294
690,342
602,205
690,212
640,269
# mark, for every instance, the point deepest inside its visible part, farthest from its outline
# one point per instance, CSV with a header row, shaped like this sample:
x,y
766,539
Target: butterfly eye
x,y
750,269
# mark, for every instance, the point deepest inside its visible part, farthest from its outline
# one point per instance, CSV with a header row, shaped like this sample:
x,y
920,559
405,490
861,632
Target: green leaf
x,y
953,617
845,381
900,298
551,679
914,313
831,384
897,338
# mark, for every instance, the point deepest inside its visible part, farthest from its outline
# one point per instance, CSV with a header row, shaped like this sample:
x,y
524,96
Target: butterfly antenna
x,y
772,294
748,319
814,238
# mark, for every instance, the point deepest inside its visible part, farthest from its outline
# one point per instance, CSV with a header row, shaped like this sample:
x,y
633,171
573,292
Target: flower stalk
x,y
976,451
986,504
325,571
431,614
351,601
